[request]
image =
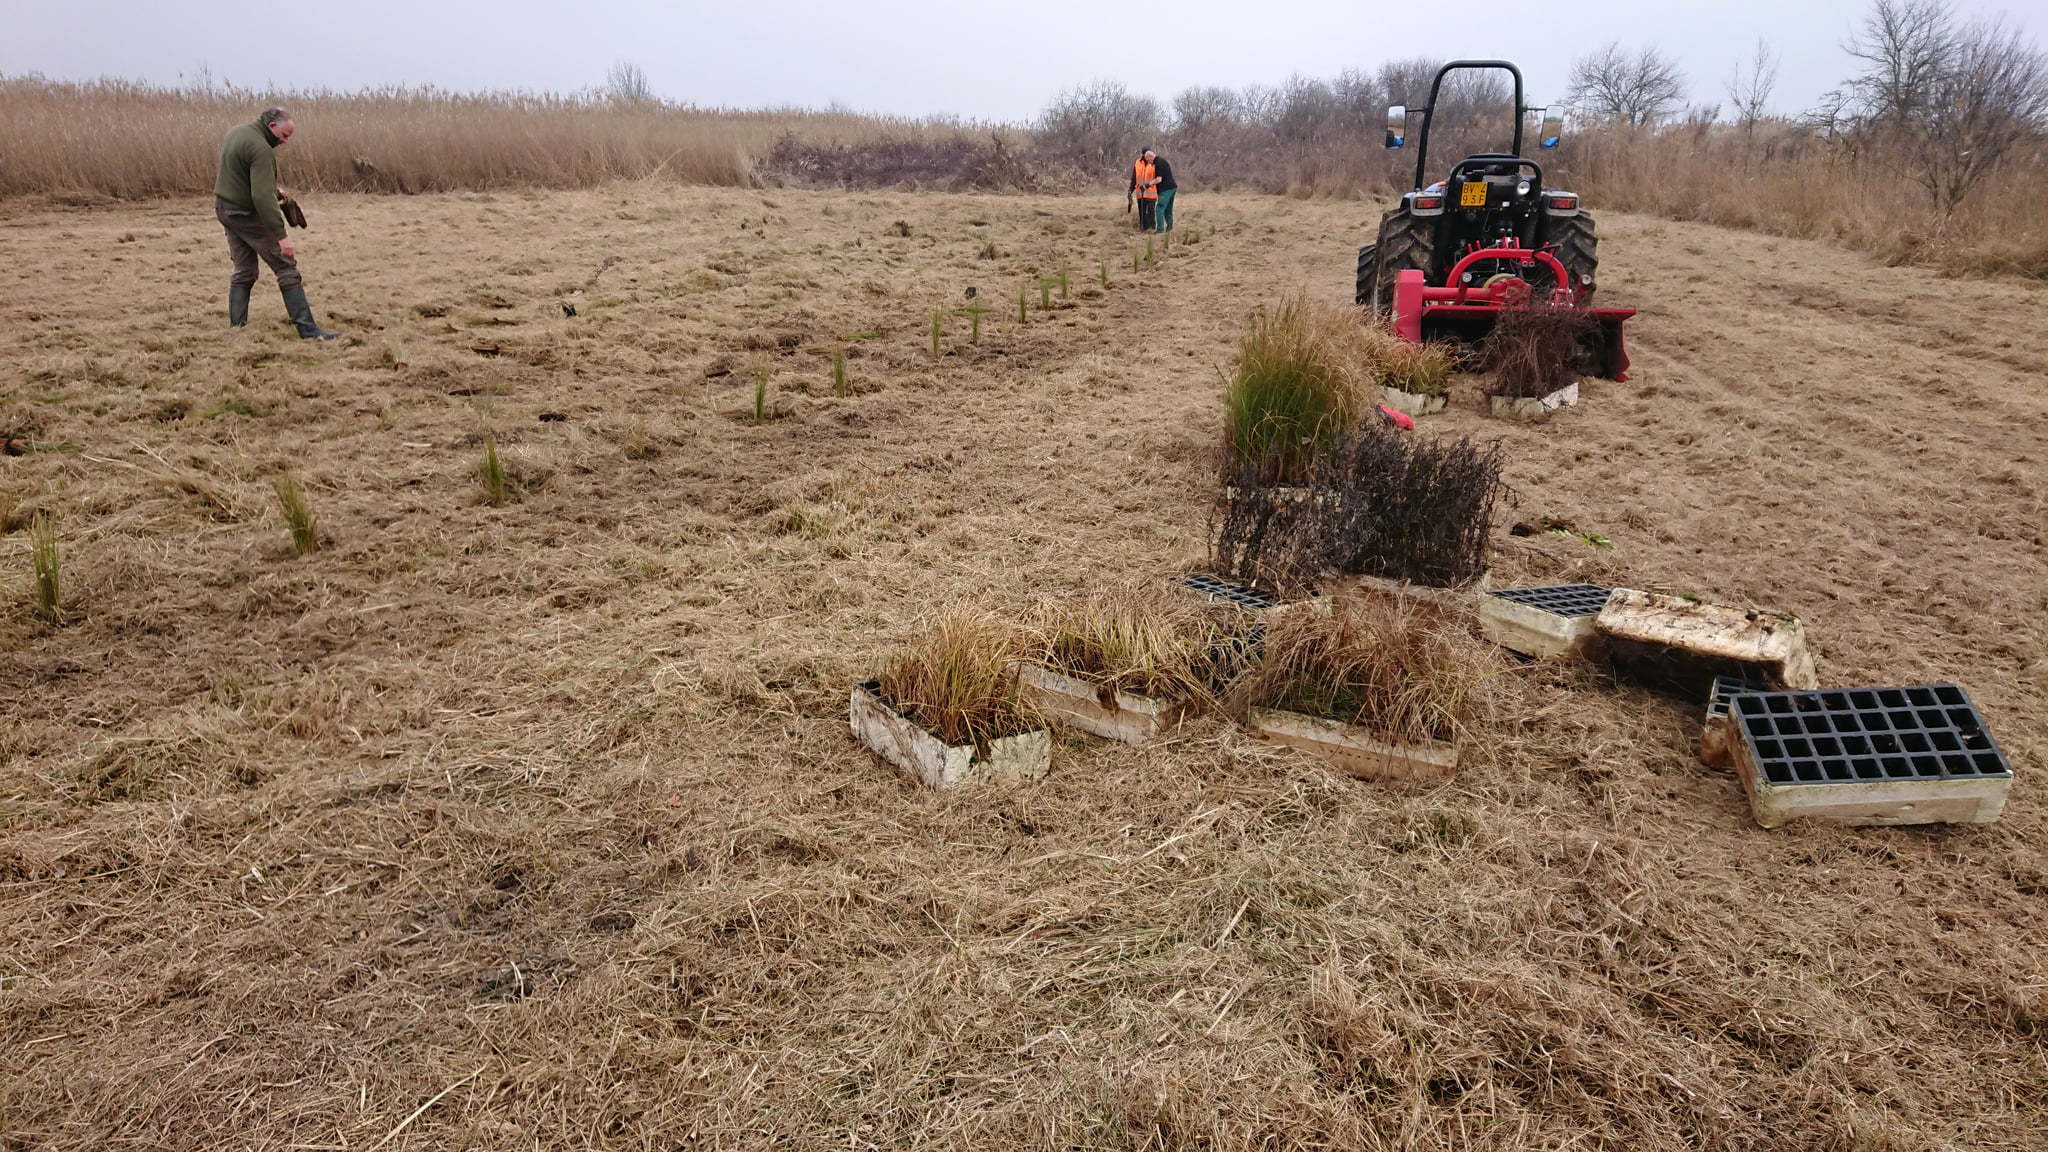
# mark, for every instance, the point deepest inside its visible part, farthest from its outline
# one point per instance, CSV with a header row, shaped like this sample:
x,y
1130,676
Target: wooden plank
x,y
1069,700
932,761
1355,750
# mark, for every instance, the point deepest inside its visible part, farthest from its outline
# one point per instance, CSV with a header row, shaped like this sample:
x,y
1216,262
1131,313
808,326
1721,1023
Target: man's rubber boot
x,y
238,305
302,315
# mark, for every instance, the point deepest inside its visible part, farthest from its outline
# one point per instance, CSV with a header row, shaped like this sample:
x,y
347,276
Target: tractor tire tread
x,y
1406,243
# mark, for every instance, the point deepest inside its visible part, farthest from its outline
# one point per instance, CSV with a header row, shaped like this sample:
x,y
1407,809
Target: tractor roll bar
x,y
1427,110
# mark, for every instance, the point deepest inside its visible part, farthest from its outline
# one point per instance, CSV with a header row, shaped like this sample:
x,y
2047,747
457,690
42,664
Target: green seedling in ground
x,y
938,327
1045,294
760,393
839,371
1064,270
42,535
1149,257
1105,272
1169,241
1134,260
974,312
1023,296
292,498
491,471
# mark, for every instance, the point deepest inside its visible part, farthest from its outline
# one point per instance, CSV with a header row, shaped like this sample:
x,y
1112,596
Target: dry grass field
x,y
539,825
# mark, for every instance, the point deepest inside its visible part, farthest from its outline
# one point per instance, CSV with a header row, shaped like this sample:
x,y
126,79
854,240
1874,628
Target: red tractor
x,y
1487,237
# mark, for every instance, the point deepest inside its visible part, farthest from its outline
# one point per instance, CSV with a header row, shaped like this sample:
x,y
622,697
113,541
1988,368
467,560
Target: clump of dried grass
x,y
1298,385
1401,364
958,679
1534,351
1397,665
1143,637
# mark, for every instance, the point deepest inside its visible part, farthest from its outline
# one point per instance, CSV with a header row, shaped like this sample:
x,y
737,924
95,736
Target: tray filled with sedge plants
x,y
945,709
1131,660
1383,687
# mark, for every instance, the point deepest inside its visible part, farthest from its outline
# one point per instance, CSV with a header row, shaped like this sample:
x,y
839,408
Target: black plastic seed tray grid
x,y
1566,600
1726,688
1222,589
1922,732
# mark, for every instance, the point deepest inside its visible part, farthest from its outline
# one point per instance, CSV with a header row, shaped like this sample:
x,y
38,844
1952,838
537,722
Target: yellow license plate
x,y
1473,195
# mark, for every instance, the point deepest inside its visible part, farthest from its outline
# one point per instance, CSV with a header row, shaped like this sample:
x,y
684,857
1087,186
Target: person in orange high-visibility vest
x,y
1145,185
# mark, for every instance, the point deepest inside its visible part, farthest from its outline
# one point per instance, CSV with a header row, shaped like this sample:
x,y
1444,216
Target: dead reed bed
x,y
135,141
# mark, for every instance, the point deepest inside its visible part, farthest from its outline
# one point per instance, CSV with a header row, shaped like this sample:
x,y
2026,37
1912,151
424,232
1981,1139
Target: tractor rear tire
x,y
1367,257
1407,243
1577,247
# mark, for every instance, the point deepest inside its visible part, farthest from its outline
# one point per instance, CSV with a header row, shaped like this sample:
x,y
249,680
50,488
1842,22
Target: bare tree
x,y
1945,104
1098,124
1904,45
1199,111
625,83
1750,89
1635,89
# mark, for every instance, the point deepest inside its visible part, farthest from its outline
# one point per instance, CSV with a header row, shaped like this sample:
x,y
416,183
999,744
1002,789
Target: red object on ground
x,y
1398,419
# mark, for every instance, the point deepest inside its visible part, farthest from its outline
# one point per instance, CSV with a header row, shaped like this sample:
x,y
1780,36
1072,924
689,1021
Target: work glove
x,y
293,214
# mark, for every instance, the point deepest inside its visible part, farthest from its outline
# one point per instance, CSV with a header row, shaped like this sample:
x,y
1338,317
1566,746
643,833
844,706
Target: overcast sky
x,y
978,59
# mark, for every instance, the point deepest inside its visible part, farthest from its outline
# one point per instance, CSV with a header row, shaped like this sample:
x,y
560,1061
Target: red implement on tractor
x,y
1486,238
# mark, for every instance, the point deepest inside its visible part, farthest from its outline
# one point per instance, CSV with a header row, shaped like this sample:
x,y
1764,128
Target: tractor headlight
x,y
1522,189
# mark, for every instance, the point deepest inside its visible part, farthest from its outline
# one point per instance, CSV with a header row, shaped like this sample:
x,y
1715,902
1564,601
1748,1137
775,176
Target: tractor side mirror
x,y
1397,125
1553,128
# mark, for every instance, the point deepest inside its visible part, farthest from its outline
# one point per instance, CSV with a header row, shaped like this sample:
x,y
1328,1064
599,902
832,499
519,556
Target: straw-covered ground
x,y
540,825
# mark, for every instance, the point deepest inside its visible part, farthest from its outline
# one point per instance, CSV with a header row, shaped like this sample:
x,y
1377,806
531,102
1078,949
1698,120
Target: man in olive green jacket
x,y
245,202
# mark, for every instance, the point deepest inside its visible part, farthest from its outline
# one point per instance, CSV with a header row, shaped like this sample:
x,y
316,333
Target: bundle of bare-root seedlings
x,y
1400,666
1535,351
1377,503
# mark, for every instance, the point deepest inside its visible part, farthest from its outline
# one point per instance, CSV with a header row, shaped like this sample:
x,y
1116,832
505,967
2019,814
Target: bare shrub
x,y
1405,507
1534,351
1378,503
1096,126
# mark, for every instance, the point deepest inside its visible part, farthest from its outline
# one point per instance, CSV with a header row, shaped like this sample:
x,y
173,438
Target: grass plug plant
x,y
1065,271
1294,391
1105,272
938,328
1023,300
957,679
291,497
42,536
761,389
491,472
839,371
